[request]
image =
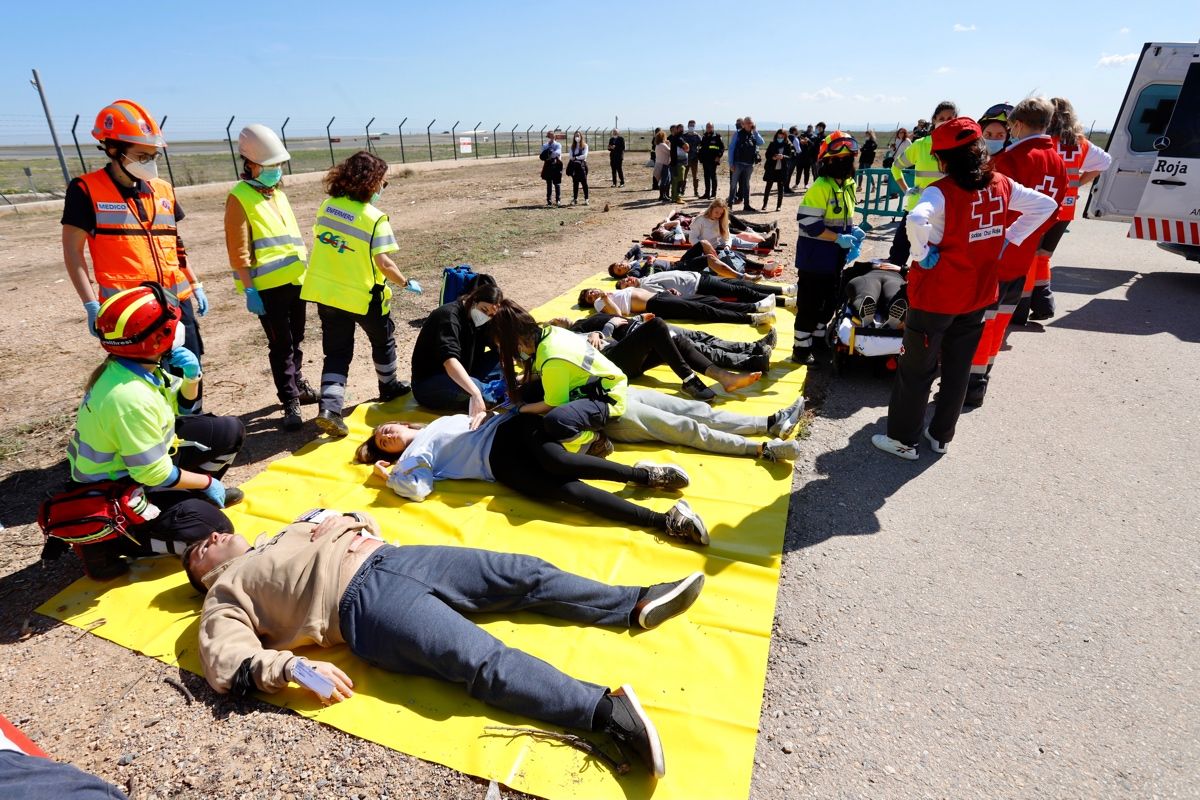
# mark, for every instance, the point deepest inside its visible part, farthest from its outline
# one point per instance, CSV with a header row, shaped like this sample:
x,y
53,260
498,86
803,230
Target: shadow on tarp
x,y
1156,302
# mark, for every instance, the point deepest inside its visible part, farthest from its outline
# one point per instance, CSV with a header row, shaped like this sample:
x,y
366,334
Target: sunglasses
x,y
842,144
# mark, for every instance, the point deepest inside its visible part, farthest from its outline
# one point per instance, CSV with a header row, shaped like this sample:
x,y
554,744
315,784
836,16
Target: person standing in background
x,y
653,160
779,153
661,155
552,168
925,169
616,157
692,138
577,168
743,155
793,162
711,149
679,161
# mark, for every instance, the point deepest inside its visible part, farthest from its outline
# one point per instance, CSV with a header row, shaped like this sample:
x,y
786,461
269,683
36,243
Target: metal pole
x,y
82,163
429,138
369,150
475,138
512,135
495,144
166,153
232,156
329,139
283,134
400,128
528,149
454,139
62,160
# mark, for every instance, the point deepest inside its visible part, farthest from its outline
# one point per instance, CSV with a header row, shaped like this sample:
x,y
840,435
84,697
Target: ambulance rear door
x,y
1140,132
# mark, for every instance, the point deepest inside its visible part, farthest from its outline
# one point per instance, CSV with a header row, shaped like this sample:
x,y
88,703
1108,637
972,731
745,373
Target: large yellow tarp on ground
x,y
700,675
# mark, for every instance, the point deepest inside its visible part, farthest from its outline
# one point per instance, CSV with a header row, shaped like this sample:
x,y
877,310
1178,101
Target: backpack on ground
x,y
456,281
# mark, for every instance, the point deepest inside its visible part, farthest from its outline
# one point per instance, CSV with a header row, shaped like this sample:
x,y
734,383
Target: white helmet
x,y
259,144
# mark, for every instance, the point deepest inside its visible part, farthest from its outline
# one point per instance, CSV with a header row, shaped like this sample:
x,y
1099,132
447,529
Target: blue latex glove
x,y
201,299
216,492
845,241
931,258
413,286
1003,247
185,361
254,303
853,254
858,233
92,308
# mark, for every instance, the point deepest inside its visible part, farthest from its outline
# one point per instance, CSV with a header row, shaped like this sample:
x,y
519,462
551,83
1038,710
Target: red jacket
x,y
964,279
1035,164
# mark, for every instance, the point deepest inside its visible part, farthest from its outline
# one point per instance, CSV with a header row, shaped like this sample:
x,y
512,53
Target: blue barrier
x,y
881,195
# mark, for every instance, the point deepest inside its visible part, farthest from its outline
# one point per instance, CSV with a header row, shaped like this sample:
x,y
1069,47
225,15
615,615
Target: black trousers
x,y
928,338
564,423
337,343
742,291
699,309
901,247
693,259
737,356
651,344
577,180
217,441
556,186
816,301
284,325
617,164
779,181
710,178
805,171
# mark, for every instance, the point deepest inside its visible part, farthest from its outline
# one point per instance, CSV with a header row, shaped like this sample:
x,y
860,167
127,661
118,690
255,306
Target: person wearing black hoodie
x,y
712,149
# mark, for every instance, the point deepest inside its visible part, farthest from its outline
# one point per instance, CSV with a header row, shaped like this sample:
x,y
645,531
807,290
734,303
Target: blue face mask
x,y
270,176
994,145
779,138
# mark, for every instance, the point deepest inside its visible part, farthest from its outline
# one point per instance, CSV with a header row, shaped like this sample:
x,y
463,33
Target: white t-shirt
x,y
708,230
621,298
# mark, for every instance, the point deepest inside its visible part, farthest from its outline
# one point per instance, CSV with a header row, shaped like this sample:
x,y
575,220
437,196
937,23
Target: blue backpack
x,y
456,281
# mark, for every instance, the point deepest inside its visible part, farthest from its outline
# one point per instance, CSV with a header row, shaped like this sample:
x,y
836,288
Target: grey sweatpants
x,y
652,416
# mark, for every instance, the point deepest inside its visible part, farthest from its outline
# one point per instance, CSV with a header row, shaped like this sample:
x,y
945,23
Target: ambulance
x,y
1153,184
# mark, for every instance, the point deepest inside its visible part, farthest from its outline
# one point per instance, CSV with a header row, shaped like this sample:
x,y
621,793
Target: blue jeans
x,y
35,778
440,392
403,612
739,184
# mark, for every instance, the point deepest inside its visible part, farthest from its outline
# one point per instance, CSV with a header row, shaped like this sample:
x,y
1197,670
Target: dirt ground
x,y
108,710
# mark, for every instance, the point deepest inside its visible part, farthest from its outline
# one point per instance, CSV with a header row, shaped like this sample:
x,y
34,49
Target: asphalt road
x,y
1019,617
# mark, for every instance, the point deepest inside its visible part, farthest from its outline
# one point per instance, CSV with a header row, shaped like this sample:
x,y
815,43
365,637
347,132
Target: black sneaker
x,y
695,388
630,726
803,355
685,523
292,419
664,476
866,313
331,423
394,390
308,395
233,496
666,600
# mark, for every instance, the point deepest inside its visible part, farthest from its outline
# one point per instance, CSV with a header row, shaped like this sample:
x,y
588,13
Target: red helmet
x,y
126,121
139,323
837,144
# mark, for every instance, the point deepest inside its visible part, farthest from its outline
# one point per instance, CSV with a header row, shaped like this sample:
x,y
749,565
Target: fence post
x,y
62,160
166,153
232,157
400,129
82,163
283,135
475,138
495,144
528,149
369,150
454,139
429,138
329,139
512,135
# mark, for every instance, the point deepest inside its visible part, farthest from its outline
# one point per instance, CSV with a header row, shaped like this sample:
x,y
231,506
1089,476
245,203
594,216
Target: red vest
x,y
1073,159
129,247
964,279
1035,164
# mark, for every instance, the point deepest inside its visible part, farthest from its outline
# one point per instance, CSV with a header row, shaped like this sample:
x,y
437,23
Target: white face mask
x,y
479,317
522,355
146,172
180,335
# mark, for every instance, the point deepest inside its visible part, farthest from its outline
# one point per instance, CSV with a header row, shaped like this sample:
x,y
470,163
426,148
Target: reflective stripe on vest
x,y
277,252
837,216
125,249
1073,160
341,272
562,344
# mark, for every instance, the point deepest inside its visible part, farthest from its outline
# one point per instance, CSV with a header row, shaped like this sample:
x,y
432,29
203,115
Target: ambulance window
x,y
1151,115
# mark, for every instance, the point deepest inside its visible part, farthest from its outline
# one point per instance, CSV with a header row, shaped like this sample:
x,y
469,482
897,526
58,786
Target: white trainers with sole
x,y
934,444
889,445
763,319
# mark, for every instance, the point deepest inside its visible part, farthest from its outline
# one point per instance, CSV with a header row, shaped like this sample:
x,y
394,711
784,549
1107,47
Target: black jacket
x,y
771,166
712,147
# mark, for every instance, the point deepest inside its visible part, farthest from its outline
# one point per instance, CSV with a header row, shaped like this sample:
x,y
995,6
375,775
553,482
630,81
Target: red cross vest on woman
x,y
128,247
1034,163
964,279
1072,158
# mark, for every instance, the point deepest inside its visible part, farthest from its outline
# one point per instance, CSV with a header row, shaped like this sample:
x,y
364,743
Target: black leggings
x,y
882,285
522,459
651,344
739,225
779,181
700,308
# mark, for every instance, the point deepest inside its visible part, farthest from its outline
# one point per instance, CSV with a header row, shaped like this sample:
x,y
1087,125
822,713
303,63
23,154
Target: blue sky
x,y
516,62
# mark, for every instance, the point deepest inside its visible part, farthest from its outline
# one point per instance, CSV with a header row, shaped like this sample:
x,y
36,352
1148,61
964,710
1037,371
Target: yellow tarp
x,y
701,675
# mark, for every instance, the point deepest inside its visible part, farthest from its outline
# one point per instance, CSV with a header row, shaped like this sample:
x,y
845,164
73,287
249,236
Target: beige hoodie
x,y
280,595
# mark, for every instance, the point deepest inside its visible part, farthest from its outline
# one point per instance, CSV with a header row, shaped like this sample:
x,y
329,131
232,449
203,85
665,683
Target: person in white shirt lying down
x,y
687,284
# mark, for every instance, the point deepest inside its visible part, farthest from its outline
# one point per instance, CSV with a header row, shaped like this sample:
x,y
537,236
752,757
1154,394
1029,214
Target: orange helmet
x,y
126,121
139,322
837,144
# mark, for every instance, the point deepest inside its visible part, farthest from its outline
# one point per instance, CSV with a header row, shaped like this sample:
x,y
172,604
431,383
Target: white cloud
x,y
879,98
844,79
1116,61
960,28
943,70
824,93
1123,31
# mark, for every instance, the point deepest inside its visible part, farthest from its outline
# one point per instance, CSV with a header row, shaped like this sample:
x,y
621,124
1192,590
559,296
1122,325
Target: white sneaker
x,y
763,319
789,301
789,290
767,303
889,445
934,444
787,419
780,450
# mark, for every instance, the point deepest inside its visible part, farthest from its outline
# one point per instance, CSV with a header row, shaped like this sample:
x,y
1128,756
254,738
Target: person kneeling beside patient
x,y
328,578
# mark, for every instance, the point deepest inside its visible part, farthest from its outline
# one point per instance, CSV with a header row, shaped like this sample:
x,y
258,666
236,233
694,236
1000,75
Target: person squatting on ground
x,y
616,157
128,219
138,423
267,255
1031,160
401,608
743,155
634,300
712,147
552,168
958,234
827,235
347,279
511,448
918,158
577,168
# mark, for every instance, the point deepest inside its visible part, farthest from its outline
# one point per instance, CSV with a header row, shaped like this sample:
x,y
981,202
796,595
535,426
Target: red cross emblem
x,y
1068,153
986,208
1048,188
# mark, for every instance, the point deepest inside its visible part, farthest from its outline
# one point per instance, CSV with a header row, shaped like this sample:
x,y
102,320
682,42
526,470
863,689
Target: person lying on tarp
x,y
328,579
634,300
876,289
699,258
685,283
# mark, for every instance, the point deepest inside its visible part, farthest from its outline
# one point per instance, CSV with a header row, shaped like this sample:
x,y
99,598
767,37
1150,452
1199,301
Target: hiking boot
x,y
889,445
631,726
601,446
786,420
694,388
778,450
803,355
666,600
308,395
664,476
763,319
975,395
936,445
766,304
685,523
331,423
866,312
292,420
233,496
394,390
